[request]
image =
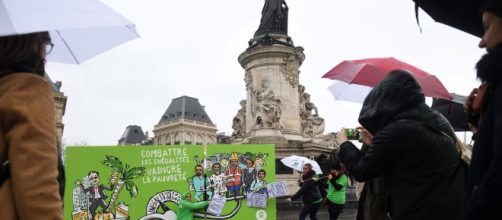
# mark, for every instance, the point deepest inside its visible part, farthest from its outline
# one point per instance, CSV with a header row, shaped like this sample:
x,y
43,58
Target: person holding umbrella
x,y
413,147
484,195
310,193
28,145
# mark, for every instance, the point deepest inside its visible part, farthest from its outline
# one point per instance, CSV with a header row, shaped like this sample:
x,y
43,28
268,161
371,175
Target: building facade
x,y
133,135
185,122
60,104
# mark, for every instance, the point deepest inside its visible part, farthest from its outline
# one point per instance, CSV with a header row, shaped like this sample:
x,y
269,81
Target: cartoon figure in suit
x,y
97,195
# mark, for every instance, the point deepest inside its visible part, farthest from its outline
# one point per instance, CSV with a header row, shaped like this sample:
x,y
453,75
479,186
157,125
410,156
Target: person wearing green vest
x,y
186,207
337,184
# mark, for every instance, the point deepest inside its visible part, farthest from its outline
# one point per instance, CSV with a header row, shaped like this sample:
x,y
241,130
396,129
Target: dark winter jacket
x,y
373,198
484,193
309,189
420,164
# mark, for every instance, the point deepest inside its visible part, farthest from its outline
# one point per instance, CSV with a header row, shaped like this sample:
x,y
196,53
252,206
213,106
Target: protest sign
x,y
146,182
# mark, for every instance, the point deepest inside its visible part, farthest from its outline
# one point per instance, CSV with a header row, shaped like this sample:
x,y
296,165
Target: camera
x,y
353,134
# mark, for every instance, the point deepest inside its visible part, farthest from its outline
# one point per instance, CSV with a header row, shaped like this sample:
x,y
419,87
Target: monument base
x,y
268,136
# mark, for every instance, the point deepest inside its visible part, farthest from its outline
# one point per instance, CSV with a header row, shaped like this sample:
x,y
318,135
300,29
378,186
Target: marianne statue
x,y
274,18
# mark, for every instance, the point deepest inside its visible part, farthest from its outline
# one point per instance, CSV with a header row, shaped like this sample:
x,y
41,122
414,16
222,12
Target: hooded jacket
x,y
186,208
421,164
484,192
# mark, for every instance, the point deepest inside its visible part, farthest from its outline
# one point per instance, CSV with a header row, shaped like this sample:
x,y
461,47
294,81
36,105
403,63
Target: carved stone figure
x,y
289,69
329,140
265,107
274,18
312,124
301,102
239,122
317,125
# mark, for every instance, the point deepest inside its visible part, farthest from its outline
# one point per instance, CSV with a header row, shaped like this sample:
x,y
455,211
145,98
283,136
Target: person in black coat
x,y
484,191
413,147
310,193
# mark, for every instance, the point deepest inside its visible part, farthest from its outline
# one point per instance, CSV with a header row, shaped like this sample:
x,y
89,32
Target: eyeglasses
x,y
48,47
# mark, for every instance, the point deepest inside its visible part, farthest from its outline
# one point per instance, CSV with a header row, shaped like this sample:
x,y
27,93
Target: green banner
x,y
146,182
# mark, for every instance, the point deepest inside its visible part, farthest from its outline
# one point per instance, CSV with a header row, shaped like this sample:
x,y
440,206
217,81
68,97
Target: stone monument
x,y
277,110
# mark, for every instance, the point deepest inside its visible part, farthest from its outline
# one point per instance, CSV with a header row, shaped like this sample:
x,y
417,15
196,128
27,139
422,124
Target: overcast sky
x,y
190,47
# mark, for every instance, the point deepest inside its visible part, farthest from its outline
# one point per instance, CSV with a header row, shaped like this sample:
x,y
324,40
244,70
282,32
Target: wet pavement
x,y
291,212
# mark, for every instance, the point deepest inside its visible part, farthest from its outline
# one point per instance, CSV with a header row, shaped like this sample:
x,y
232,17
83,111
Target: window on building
x,y
188,138
280,168
168,140
177,138
209,140
198,139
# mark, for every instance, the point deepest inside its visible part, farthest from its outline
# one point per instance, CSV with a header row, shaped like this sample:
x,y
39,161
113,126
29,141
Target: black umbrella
x,y
453,111
461,14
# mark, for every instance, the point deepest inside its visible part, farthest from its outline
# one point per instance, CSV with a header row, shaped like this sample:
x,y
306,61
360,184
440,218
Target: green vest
x,y
337,196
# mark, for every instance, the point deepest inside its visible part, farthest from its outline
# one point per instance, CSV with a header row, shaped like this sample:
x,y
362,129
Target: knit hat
x,y
493,6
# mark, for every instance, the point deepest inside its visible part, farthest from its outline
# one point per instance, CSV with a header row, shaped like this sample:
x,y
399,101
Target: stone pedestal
x,y
274,60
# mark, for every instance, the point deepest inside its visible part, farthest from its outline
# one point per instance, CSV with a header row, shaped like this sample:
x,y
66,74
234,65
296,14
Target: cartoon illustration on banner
x,y
163,182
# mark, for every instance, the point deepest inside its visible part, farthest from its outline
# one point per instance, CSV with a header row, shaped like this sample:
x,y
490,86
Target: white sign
x,y
217,204
277,189
257,200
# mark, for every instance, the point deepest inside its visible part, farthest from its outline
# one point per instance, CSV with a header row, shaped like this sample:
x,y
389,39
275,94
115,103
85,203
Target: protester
x,y
186,207
484,194
310,193
337,184
28,144
413,147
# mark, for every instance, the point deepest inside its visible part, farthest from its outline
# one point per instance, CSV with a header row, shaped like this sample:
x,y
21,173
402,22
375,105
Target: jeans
x,y
311,210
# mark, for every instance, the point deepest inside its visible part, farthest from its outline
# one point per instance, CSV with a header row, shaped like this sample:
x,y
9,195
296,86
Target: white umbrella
x,y
297,162
80,29
343,91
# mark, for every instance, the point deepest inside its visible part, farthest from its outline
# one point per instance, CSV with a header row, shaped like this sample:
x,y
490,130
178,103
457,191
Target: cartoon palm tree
x,y
122,175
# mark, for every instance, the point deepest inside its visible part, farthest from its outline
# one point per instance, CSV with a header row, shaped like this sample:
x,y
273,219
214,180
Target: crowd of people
x,y
411,161
411,164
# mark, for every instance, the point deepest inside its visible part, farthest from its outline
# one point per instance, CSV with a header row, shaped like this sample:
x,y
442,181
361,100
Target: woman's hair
x,y
24,53
308,165
336,166
493,6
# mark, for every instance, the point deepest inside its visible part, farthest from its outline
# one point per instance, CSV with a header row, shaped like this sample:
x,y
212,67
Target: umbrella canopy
x,y
355,78
461,14
80,29
453,111
297,162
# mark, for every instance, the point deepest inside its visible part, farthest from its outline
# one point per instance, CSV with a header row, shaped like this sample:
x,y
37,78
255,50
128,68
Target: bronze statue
x,y
274,18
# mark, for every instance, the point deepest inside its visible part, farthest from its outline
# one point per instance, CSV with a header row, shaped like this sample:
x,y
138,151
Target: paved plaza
x,y
291,213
